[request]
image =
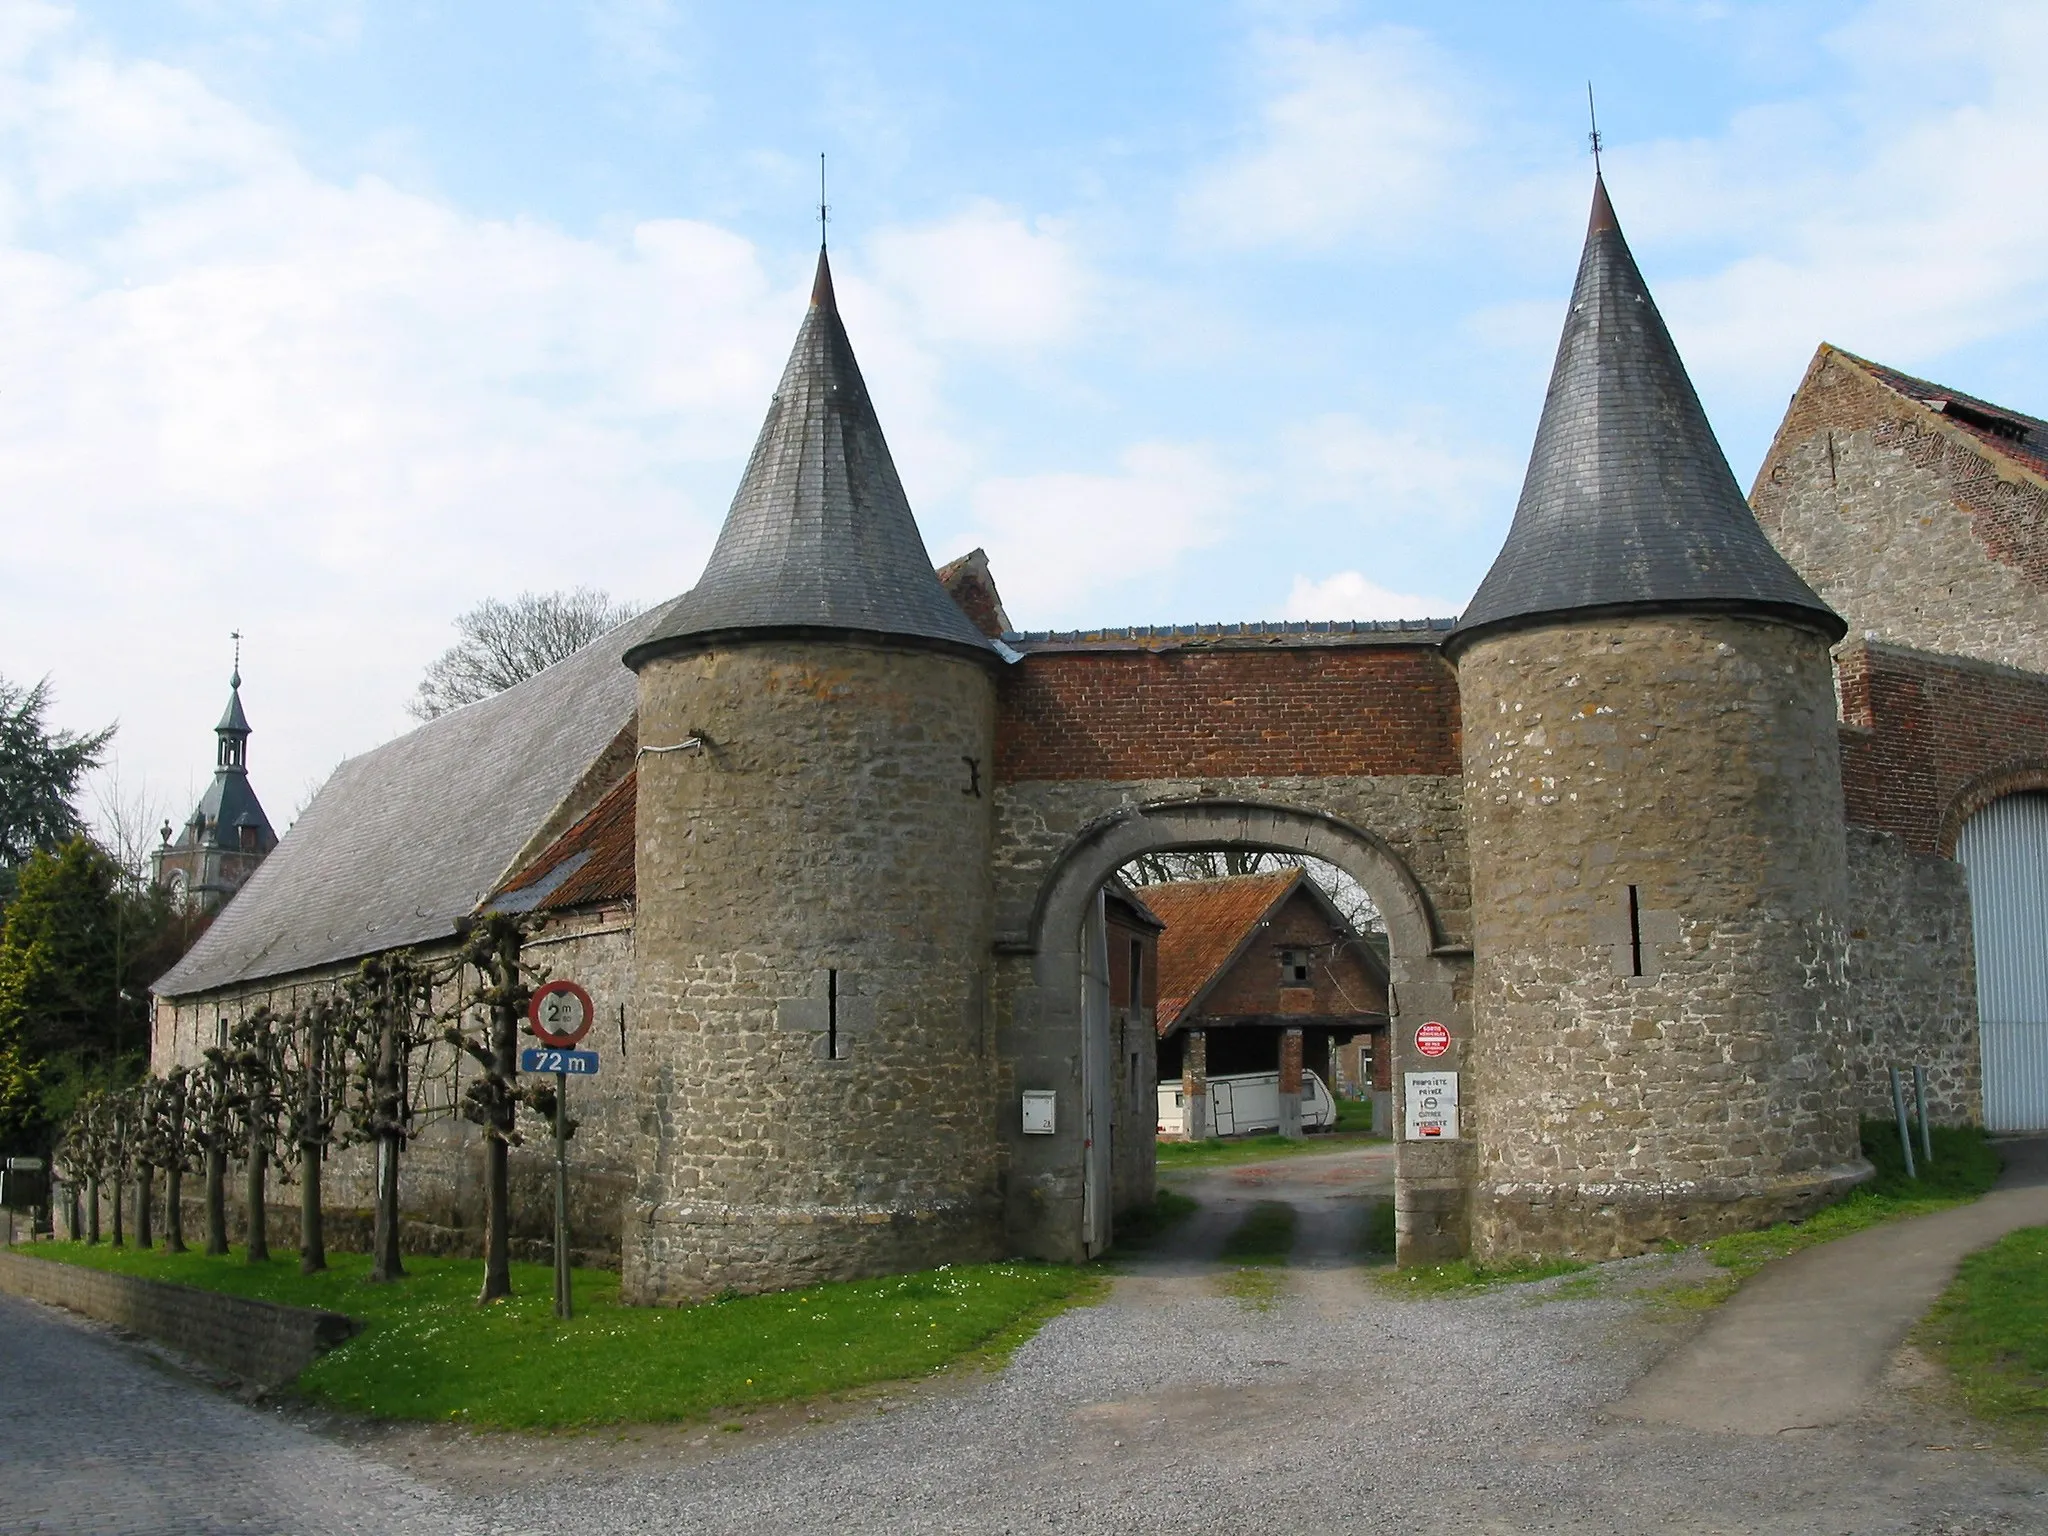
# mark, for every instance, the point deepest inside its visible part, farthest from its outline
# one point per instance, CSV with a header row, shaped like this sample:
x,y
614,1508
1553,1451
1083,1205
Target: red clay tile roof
x,y
1206,921
589,863
2022,439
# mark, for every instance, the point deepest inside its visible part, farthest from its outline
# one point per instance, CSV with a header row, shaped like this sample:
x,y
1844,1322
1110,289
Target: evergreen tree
x,y
40,774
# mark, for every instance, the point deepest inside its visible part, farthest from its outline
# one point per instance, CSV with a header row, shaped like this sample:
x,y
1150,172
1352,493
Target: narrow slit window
x,y
1635,932
832,1002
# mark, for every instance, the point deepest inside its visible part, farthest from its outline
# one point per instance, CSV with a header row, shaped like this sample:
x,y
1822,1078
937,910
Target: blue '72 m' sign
x,y
541,1058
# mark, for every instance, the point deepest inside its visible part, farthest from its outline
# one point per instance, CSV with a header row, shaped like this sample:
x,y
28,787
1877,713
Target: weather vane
x,y
1594,119
236,636
824,208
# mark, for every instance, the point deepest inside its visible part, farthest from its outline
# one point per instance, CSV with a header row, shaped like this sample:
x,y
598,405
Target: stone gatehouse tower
x,y
817,717
1653,812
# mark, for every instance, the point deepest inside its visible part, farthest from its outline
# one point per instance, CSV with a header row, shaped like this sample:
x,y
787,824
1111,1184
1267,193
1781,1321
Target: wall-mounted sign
x,y
1431,1101
1040,1105
1432,1039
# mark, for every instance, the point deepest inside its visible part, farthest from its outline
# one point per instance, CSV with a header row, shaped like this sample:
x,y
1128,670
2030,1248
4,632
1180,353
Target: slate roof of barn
x,y
1629,504
406,839
820,538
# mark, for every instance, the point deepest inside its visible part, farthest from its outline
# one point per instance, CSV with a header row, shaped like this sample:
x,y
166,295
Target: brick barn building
x,y
1674,907
1260,973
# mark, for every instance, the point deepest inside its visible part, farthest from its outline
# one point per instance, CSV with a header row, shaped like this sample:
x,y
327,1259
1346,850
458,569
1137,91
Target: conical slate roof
x,y
820,539
232,720
1629,505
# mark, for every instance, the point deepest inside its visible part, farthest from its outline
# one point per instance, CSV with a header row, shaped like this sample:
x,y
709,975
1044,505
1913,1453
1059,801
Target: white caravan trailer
x,y
1247,1103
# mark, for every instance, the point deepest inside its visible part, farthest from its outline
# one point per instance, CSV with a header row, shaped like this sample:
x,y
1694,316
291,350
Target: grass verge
x,y
1965,1166
1464,1275
1991,1329
1143,1227
1264,1237
1253,1149
428,1351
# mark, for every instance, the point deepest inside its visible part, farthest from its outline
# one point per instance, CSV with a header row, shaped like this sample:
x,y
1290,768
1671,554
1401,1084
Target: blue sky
x,y
325,321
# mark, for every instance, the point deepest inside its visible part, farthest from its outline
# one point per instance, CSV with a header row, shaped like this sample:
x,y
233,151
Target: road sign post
x,y
561,1014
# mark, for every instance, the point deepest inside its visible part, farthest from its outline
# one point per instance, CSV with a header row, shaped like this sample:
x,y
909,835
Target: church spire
x,y
820,539
1629,504
232,734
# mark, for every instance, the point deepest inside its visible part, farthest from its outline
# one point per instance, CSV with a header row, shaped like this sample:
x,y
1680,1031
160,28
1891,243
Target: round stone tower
x,y
813,922
1654,807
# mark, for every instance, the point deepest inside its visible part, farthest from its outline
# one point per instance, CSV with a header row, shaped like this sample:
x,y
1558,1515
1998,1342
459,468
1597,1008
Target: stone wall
x,y
1680,1073
259,1341
1912,983
1914,528
441,1176
813,953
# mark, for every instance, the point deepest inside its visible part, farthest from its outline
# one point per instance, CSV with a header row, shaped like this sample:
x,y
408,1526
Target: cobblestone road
x,y
96,1437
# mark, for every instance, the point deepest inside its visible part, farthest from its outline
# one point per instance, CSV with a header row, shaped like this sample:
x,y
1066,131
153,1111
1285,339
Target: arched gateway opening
x,y
1060,1042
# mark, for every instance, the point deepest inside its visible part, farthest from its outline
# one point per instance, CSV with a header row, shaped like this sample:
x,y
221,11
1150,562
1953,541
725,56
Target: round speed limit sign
x,y
561,1013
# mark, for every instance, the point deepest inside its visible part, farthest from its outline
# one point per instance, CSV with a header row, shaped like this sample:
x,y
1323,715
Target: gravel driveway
x,y
1175,1407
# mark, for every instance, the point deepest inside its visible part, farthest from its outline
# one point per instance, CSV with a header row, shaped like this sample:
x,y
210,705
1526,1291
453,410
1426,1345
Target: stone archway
x,y
1430,980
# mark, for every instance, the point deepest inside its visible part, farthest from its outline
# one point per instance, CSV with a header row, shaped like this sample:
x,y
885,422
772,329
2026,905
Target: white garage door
x,y
2004,847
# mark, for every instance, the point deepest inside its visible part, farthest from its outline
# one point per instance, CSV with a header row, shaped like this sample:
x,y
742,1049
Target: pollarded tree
x,y
119,1109
313,1090
214,1114
174,1145
144,1110
86,1151
253,1051
491,946
388,1018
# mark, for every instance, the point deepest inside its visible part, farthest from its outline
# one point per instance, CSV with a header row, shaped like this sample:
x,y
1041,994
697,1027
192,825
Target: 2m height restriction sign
x,y
561,1013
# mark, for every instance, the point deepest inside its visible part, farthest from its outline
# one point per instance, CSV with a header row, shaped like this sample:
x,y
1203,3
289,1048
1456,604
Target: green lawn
x,y
1991,1327
428,1351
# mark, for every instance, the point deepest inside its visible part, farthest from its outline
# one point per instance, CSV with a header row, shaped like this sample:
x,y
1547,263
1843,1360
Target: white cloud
x,y
1412,474
1352,137
329,415
986,277
1055,541
1352,595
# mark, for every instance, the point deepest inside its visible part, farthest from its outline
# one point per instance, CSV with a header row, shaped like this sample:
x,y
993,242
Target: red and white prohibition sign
x,y
561,1013
1432,1039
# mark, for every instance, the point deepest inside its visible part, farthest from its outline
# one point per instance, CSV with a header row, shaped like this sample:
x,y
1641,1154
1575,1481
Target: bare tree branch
x,y
505,643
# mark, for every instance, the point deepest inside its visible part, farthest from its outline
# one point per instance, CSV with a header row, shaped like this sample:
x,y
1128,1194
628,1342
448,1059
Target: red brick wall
x,y
1107,715
1929,741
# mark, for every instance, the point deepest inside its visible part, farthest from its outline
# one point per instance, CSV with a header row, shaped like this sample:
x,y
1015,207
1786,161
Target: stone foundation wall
x,y
813,953
1912,979
1678,1068
259,1341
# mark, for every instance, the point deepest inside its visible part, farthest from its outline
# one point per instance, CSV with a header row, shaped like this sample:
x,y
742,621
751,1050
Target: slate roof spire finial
x,y
820,541
1629,505
1593,138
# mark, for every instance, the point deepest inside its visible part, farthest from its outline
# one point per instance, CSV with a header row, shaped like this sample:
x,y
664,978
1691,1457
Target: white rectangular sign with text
x,y
1431,1099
